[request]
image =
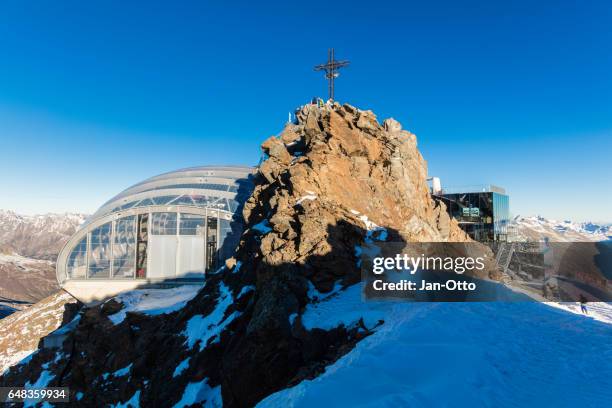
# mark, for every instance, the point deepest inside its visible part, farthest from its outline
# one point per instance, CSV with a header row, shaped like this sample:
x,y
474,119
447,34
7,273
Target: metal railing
x,y
476,188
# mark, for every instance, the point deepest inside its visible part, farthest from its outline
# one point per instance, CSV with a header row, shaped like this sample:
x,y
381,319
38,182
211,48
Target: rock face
x,y
328,182
351,163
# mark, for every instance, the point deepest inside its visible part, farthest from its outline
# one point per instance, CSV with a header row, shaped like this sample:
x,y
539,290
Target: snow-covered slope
x,y
153,302
538,228
21,332
37,236
460,355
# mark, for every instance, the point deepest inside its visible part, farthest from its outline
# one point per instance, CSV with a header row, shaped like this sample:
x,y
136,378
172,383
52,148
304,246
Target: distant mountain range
x,y
536,228
36,236
29,246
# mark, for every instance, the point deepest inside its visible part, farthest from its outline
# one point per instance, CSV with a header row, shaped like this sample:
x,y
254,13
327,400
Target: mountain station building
x,y
483,212
174,227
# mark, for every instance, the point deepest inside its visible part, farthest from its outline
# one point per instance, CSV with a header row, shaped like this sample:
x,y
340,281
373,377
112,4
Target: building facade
x,y
482,212
173,227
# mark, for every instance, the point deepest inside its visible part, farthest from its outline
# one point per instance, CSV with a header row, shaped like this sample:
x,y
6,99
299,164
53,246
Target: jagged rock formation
x,y
355,164
331,181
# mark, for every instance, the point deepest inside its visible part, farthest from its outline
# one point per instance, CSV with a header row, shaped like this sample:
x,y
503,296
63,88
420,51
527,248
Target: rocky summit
x,y
332,180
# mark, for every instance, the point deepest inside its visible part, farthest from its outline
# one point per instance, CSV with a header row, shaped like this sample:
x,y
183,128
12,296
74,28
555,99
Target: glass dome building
x,y
174,227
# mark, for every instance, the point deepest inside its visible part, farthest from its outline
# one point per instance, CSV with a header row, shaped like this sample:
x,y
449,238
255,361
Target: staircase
x,y
504,256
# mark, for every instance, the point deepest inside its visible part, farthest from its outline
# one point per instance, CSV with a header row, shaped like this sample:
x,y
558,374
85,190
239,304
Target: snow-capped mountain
x,y
36,236
538,228
29,246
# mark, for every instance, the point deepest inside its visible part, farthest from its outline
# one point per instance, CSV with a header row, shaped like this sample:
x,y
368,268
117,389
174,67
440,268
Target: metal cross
x,y
331,70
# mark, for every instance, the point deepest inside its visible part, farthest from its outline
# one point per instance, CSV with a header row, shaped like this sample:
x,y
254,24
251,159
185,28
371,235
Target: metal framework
x,y
212,194
331,69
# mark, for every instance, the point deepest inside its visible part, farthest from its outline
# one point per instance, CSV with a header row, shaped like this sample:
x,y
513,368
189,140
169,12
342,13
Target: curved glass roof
x,y
218,187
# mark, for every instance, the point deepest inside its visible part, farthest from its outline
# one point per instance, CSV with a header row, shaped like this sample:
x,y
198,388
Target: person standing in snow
x,y
583,307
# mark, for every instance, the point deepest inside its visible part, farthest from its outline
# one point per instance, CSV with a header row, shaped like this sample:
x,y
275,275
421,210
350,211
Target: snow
x,y
346,308
154,302
203,328
310,197
43,380
199,392
460,354
315,296
26,264
245,289
69,326
292,318
50,311
262,227
133,402
27,357
122,372
58,357
374,231
536,228
599,311
183,365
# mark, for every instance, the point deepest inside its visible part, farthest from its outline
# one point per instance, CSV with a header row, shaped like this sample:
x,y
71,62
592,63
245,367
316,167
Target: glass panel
x,y
188,199
211,243
233,205
184,200
124,247
163,223
145,203
143,242
219,187
203,201
129,205
191,224
501,215
99,257
163,199
228,238
77,261
219,203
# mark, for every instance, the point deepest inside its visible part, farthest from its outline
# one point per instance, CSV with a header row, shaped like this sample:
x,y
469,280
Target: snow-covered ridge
x,y
460,354
57,221
537,228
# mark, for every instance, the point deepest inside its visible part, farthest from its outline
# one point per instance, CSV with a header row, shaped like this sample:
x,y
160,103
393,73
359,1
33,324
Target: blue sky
x,y
96,97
